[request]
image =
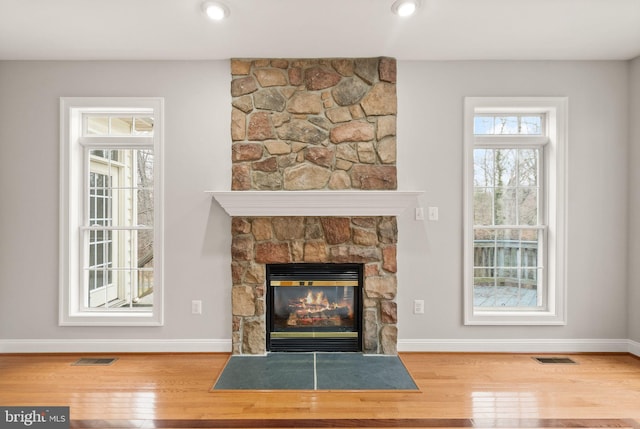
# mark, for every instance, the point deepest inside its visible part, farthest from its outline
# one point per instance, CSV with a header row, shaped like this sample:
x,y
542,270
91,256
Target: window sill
x,y
514,318
112,319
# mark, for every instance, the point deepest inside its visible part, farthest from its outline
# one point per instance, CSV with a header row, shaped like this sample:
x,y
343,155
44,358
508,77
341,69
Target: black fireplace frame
x,y
310,272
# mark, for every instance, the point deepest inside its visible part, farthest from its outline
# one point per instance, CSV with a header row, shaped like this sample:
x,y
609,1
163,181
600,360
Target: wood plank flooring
x,y
456,391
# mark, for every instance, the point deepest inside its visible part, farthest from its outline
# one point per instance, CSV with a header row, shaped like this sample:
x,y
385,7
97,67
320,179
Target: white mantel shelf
x,y
315,203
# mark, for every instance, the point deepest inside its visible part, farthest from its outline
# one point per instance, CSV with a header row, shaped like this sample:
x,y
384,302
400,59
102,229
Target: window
x,y
111,211
515,156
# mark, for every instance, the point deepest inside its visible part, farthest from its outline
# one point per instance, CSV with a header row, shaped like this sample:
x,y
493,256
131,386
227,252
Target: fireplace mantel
x,y
315,203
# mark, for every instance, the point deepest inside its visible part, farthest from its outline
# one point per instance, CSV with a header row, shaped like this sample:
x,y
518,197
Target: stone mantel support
x,y
314,203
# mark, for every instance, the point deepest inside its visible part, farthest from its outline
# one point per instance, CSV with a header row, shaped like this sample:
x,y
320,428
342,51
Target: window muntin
x,y
111,211
100,241
515,168
117,125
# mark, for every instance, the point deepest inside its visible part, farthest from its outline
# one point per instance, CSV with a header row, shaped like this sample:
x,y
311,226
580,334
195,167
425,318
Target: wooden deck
x,y
504,296
456,390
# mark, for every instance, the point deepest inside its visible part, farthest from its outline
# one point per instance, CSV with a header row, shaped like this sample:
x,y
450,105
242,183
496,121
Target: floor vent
x,y
94,361
554,360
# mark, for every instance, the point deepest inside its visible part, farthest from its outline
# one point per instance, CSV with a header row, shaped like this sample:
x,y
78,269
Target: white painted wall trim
x,y
411,345
518,345
315,203
115,346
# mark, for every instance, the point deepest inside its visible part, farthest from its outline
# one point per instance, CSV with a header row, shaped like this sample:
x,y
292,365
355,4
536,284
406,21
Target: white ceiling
x,y
442,30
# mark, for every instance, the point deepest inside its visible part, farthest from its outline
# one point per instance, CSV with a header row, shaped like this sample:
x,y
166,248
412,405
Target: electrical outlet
x,y
418,306
196,307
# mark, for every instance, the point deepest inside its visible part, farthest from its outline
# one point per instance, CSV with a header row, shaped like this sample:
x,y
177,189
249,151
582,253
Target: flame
x,y
316,300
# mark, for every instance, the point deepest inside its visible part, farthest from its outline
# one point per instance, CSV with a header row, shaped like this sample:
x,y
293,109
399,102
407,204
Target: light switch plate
x,y
433,213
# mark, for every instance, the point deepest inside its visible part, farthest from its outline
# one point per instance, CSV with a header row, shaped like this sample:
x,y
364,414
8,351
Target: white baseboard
x,y
115,346
516,345
410,345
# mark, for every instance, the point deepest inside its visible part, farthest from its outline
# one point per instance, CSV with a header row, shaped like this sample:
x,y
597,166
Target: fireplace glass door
x,y
314,307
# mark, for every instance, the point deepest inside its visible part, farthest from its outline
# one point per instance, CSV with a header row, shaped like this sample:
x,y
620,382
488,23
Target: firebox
x,y
314,307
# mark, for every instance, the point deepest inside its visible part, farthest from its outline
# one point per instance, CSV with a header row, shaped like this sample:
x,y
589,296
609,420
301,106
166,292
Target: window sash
x,y
541,303
120,190
138,116
509,304
511,116
539,185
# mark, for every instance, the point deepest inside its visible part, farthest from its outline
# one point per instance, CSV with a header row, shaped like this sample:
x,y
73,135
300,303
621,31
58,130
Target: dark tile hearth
x,y
315,371
291,371
355,371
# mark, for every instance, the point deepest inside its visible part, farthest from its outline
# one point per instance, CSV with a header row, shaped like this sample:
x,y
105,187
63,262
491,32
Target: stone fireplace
x,y
313,125
258,241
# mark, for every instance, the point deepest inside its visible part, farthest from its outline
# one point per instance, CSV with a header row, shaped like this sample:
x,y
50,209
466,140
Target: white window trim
x,y
555,180
71,212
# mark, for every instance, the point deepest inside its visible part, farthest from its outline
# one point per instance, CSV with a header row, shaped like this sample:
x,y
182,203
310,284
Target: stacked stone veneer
x,y
314,124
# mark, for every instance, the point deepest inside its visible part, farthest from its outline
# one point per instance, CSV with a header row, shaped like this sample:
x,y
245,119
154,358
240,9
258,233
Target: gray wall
x,y
197,235
634,204
430,113
197,154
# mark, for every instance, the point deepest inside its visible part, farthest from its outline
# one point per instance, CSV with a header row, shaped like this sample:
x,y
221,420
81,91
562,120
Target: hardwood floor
x,y
456,390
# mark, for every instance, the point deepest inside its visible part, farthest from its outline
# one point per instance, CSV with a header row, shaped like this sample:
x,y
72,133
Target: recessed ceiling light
x,y
215,10
405,7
